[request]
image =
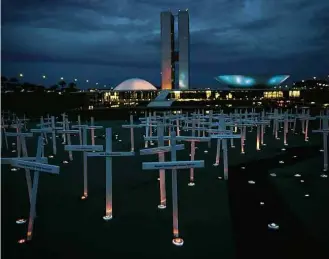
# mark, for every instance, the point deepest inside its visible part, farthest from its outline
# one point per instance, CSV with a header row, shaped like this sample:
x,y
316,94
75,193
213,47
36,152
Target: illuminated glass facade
x,y
167,51
184,50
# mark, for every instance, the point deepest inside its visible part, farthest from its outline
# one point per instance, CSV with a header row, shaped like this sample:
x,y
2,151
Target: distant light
x,y
75,80
21,75
62,78
273,226
20,221
96,83
87,81
44,77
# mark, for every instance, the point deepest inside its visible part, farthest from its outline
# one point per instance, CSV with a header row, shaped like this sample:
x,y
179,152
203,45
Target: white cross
x,y
131,126
324,131
193,139
108,154
67,131
37,166
160,150
174,165
84,148
224,138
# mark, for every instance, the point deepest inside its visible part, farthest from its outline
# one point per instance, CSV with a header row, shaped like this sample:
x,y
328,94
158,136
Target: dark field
x,y
217,218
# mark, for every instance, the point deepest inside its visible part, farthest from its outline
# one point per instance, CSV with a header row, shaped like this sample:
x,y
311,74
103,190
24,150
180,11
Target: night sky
x,y
108,41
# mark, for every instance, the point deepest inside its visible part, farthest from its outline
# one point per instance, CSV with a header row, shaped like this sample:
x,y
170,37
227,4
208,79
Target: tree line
x,y
14,85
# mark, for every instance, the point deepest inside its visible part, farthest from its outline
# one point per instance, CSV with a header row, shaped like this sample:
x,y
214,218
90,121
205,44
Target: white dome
x,y
135,84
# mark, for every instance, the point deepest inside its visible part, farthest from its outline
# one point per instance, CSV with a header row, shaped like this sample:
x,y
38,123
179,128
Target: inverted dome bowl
x,y
250,81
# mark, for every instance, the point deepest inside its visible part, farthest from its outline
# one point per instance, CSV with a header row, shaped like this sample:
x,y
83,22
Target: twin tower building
x,y
175,51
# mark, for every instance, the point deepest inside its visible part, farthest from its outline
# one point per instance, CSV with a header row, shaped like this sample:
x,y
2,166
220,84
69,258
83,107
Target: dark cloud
x,y
226,35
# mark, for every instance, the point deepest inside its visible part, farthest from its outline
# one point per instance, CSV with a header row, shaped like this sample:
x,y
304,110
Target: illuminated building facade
x,y
251,81
167,51
168,54
184,50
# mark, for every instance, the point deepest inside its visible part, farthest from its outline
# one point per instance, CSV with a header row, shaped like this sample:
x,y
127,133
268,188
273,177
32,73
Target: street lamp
x,y
75,80
44,77
62,78
96,83
21,75
87,81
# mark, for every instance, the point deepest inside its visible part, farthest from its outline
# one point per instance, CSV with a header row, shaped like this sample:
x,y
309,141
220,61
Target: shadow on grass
x,y
250,218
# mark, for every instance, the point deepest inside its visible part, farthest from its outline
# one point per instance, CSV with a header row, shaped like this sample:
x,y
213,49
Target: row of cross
x,y
203,127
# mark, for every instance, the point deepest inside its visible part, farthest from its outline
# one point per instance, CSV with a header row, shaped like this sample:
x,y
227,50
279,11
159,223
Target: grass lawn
x,y
67,226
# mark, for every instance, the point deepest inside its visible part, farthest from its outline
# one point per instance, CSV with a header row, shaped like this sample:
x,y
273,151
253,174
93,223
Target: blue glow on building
x,y
248,81
276,80
237,80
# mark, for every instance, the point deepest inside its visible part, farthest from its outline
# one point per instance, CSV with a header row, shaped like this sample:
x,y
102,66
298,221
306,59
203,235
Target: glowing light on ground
x,y
324,176
106,218
14,169
178,241
273,174
297,175
273,226
20,221
21,241
251,182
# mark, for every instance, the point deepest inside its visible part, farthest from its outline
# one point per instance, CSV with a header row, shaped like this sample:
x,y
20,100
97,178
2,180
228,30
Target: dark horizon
x,y
108,43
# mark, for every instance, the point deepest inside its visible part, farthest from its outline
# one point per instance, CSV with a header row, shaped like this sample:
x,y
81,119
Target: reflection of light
x,y
21,241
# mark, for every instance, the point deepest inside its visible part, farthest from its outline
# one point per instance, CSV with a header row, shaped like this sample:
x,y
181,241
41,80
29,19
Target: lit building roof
x,y
245,81
135,84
